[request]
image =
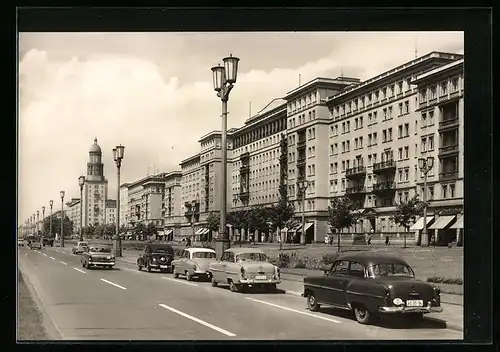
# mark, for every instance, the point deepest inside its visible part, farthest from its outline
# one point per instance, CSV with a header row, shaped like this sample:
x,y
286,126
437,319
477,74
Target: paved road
x,y
125,304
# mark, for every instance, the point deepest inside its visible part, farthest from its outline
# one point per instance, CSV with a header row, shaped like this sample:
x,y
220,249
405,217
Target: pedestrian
x,y
386,240
369,239
366,238
188,242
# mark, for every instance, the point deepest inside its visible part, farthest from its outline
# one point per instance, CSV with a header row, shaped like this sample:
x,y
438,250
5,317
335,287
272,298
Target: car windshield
x,y
391,269
257,257
100,249
203,255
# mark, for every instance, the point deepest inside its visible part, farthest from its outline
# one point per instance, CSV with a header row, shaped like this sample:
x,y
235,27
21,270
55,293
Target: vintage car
x,y
368,284
194,262
48,242
156,256
80,247
242,268
98,256
20,242
35,242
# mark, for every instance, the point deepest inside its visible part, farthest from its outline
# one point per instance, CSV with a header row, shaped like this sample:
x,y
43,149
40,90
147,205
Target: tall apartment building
x,y
145,200
95,190
172,209
73,213
190,194
110,212
124,206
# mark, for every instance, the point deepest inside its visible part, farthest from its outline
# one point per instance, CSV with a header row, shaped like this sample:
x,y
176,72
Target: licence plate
x,y
261,277
415,303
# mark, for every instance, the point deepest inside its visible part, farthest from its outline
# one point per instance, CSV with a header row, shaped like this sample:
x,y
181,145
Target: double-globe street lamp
x,y
118,152
37,222
62,217
425,165
51,203
81,183
224,79
303,185
43,219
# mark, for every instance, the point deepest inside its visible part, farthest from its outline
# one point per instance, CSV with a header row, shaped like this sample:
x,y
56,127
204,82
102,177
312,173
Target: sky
x,y
153,93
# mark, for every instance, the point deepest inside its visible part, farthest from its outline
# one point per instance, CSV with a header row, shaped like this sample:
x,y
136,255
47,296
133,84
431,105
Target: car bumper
x,y
259,282
160,266
102,263
404,310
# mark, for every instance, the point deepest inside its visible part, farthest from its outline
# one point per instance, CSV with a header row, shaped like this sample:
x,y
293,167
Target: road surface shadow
x,y
255,290
390,321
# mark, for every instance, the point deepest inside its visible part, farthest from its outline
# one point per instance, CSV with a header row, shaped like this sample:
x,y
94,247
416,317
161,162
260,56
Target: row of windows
x,y
301,119
302,102
431,93
260,133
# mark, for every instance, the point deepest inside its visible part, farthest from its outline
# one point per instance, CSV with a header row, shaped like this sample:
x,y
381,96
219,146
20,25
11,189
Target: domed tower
x,y
95,167
95,189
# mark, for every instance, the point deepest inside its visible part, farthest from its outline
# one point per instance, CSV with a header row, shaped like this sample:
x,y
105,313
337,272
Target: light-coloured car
x,y
244,268
80,247
20,242
194,262
98,256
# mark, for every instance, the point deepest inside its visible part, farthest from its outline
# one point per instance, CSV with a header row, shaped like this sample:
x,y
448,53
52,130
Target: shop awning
x,y
204,231
295,229
419,224
459,224
308,225
168,232
198,232
442,222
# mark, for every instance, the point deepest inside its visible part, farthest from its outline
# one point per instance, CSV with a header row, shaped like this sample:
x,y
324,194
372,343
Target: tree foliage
x,y
56,226
407,212
341,213
282,212
213,221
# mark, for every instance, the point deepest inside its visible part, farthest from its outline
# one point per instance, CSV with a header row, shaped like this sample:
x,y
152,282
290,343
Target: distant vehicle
x,y
34,242
98,256
156,256
48,241
194,262
20,242
80,247
245,268
368,284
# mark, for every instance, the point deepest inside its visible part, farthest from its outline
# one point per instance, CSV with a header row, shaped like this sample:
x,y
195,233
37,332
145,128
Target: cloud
x,y
74,90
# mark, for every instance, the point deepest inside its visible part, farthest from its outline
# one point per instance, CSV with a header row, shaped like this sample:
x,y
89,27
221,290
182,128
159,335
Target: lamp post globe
x,y
51,203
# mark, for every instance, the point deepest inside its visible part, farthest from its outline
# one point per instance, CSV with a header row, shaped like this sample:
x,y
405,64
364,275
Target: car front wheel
x,y
312,303
188,276
363,316
213,282
233,287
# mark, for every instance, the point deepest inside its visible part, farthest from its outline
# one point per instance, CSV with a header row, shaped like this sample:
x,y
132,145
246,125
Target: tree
x,y
406,213
282,212
238,220
109,231
257,219
56,226
341,215
213,221
139,231
150,230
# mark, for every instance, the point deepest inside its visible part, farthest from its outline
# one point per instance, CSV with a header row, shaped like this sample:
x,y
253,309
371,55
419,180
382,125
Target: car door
x,y
217,266
228,266
182,261
335,283
356,276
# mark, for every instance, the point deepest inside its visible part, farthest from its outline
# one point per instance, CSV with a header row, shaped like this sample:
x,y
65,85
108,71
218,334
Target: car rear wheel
x,y
233,287
312,303
363,316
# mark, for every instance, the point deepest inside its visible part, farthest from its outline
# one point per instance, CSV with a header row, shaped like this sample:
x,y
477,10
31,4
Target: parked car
x,y
80,247
194,262
156,256
370,283
98,256
242,268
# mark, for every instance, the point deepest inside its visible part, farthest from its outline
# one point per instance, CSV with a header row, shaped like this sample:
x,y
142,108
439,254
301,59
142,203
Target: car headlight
x,y
154,259
277,272
437,290
397,301
108,257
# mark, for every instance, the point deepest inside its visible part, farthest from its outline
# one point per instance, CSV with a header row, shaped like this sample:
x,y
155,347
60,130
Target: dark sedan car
x,y
368,284
156,256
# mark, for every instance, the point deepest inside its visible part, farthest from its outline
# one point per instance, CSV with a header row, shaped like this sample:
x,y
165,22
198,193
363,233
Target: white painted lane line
x,y
199,321
63,263
80,270
135,271
45,254
112,283
295,293
179,281
295,311
52,258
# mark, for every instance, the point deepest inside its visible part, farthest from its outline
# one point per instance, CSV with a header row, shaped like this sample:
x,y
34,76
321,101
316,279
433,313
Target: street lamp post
x,y
37,221
118,156
81,182
224,78
62,217
43,218
302,189
425,165
51,203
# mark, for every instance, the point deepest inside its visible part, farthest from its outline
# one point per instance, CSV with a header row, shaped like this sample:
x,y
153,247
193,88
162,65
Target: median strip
x,y
179,281
295,311
199,321
112,283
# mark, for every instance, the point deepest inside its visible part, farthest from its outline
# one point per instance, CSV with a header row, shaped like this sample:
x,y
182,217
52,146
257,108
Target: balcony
x,y
244,169
384,166
301,161
384,187
449,123
448,150
301,144
188,213
244,195
355,171
448,175
245,155
356,190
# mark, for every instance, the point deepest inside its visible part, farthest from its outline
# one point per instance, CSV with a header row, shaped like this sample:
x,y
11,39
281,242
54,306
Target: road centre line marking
x,y
199,321
179,281
294,310
112,283
135,271
45,254
295,293
63,263
52,258
80,270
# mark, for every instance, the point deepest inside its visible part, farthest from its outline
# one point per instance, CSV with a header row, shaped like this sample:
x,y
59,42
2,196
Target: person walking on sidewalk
x,y
188,242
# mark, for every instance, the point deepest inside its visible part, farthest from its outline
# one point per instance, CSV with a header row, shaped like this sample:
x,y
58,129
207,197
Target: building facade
x,y
124,206
172,205
73,213
145,201
95,190
110,212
